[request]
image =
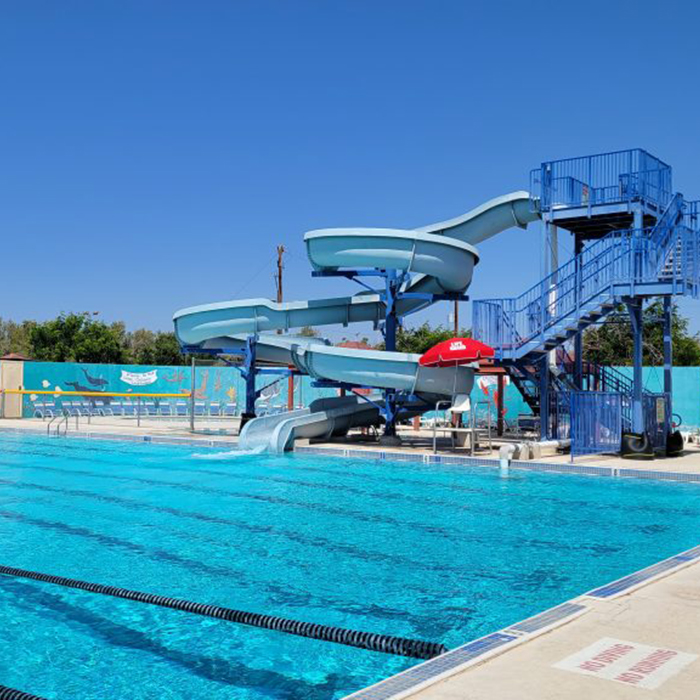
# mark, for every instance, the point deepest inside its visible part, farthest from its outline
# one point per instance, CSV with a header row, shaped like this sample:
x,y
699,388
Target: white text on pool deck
x,y
637,665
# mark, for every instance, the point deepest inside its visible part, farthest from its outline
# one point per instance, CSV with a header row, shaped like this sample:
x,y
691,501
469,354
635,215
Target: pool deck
x,y
663,614
122,427
688,463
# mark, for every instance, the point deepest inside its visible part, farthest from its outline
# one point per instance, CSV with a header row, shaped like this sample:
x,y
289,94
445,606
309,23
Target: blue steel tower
x,y
634,239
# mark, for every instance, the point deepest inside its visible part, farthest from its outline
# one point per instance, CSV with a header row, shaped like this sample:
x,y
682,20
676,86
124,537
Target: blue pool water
x,y
431,552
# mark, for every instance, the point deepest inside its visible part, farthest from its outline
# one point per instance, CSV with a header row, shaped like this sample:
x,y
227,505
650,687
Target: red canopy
x,y
456,351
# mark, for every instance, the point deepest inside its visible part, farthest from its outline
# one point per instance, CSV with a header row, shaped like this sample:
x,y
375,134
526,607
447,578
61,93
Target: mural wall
x,y
224,384
212,384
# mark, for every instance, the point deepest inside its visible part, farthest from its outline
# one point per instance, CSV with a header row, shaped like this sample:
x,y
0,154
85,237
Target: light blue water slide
x,y
434,259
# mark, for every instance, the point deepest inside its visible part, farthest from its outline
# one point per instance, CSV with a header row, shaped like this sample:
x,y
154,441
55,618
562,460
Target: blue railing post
x,y
390,320
668,347
544,398
635,311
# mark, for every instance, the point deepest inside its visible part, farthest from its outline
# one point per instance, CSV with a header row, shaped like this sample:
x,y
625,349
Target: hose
x,y
414,648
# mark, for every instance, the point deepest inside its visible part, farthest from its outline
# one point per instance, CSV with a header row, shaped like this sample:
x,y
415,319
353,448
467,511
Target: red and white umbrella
x,y
456,351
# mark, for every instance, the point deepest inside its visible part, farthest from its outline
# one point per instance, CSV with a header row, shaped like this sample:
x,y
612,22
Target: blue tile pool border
x,y
417,677
455,460
628,583
128,437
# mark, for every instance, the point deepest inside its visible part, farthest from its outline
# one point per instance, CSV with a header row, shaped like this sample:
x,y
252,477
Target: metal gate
x,y
596,422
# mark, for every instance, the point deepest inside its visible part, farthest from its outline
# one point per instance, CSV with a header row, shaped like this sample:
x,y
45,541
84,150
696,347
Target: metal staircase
x,y
636,240
623,264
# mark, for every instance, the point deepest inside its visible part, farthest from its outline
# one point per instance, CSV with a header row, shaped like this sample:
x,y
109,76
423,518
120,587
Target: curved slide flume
x,y
435,259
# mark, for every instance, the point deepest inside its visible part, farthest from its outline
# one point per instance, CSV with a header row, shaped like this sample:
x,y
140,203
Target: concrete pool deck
x,y
205,428
662,615
688,463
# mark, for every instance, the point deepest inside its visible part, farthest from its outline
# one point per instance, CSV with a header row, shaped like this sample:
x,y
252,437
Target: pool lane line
x,y
297,538
431,484
274,500
334,488
514,542
275,593
12,694
204,664
382,479
387,644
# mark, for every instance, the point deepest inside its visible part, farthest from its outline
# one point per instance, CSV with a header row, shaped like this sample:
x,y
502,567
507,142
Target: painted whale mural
x,y
94,381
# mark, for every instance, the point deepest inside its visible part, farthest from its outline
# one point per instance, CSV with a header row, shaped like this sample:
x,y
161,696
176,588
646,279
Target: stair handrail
x,y
620,256
667,221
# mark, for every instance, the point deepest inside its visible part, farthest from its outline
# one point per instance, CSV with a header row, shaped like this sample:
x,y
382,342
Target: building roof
x,y
17,357
354,344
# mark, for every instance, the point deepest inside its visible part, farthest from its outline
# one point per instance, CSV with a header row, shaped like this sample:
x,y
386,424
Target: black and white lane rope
x,y
12,694
414,648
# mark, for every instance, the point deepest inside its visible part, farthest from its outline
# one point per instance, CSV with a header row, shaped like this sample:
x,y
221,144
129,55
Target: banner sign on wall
x,y
139,378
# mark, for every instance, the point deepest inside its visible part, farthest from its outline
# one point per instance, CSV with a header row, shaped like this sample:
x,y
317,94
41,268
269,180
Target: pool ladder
x,y
62,421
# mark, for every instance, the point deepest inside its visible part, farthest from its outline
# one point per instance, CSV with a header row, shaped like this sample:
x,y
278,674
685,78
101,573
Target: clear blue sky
x,y
153,153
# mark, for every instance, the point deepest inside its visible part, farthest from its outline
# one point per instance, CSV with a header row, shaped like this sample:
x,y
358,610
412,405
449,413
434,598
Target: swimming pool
x,y
422,551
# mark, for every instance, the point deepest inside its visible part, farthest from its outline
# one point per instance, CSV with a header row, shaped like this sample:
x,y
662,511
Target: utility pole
x,y
278,277
456,318
280,298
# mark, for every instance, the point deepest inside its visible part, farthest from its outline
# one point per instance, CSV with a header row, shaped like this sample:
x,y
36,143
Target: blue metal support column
x,y
390,322
635,311
249,374
544,397
578,338
391,408
668,350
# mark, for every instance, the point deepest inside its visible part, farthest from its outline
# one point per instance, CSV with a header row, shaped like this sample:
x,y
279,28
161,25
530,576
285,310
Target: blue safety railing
x,y
668,221
607,178
663,259
691,214
595,422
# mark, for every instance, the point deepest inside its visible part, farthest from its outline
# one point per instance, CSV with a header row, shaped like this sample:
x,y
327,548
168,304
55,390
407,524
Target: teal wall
x,y
225,384
212,384
686,390
686,393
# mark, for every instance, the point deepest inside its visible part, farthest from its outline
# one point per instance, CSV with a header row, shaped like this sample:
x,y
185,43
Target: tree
x,y
78,338
141,348
421,339
15,337
308,332
612,342
166,350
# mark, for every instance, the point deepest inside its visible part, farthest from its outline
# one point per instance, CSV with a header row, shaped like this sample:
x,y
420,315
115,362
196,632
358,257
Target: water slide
x,y
434,259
